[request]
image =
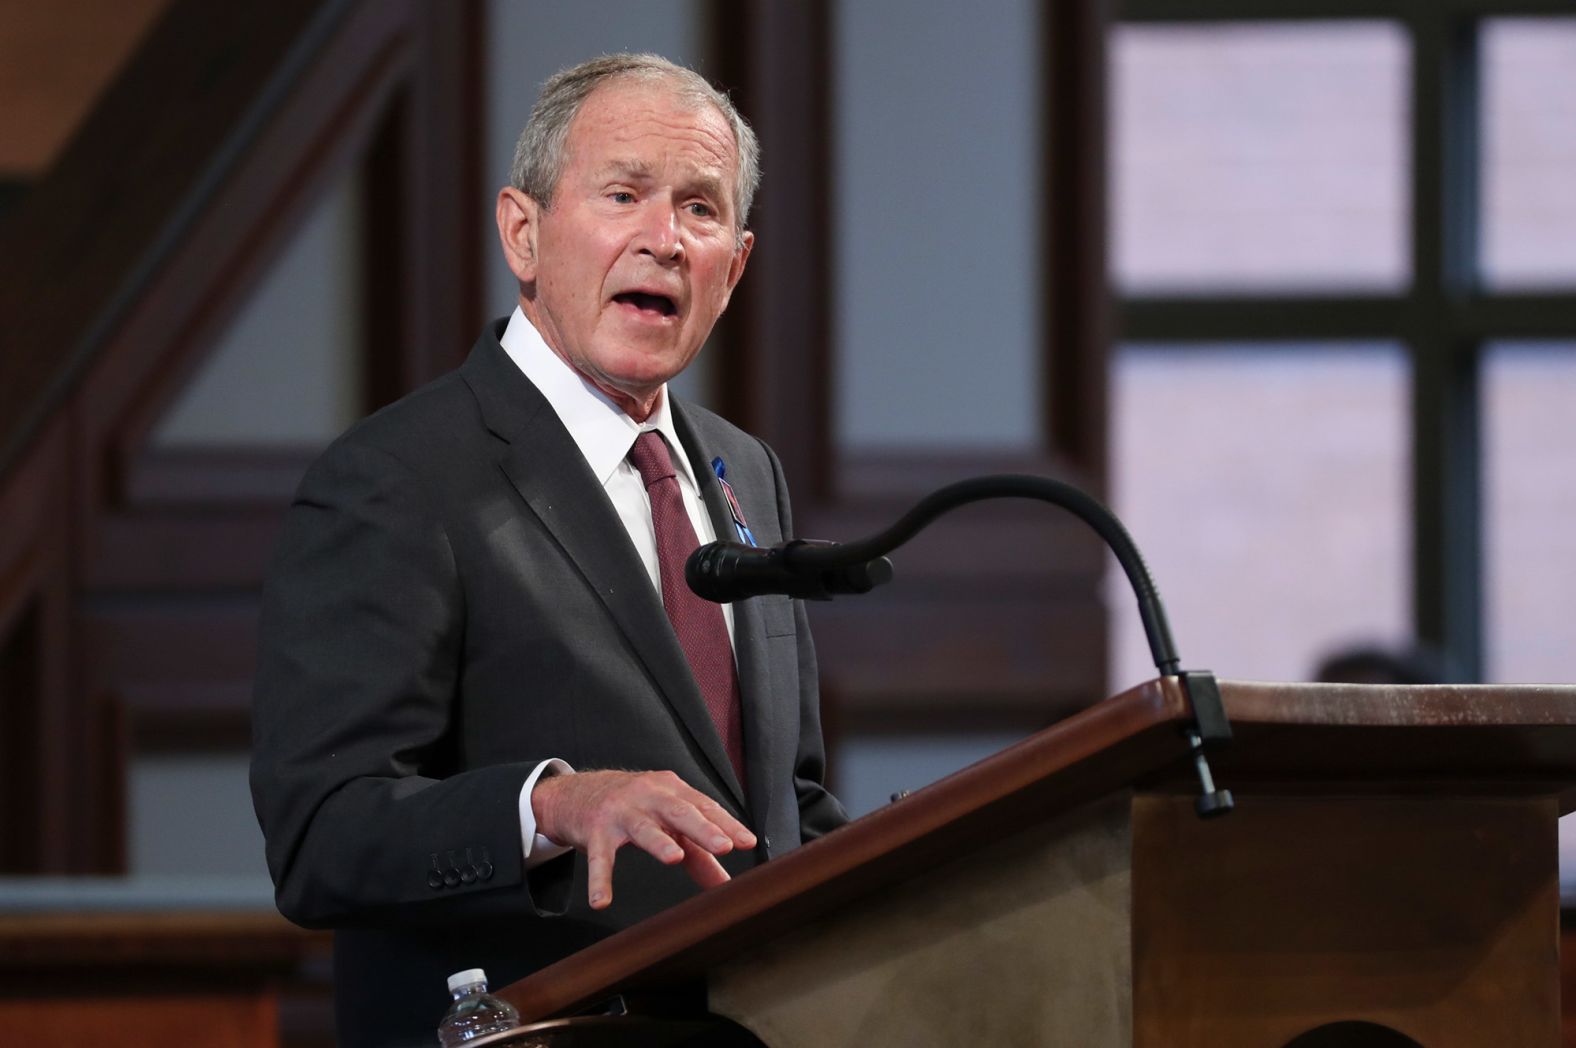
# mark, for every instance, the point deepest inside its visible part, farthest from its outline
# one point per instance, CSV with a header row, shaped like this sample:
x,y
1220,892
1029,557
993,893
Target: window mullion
x,y
1447,533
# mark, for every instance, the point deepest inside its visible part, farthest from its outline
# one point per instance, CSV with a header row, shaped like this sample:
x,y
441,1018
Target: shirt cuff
x,y
538,849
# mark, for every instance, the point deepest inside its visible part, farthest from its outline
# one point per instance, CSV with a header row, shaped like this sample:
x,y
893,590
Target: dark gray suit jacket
x,y
454,600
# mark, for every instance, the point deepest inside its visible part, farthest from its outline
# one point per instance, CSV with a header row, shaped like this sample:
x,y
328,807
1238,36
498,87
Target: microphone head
x,y
724,572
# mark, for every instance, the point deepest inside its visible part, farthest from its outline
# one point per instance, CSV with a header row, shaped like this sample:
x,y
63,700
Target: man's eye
x,y
621,196
700,210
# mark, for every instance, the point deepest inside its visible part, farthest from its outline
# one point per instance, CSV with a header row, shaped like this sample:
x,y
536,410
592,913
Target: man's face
x,y
637,256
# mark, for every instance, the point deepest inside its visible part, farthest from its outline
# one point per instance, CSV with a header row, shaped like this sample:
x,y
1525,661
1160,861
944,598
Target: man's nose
x,y
659,232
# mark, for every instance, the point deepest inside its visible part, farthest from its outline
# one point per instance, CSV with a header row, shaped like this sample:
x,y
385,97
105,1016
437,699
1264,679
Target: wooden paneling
x,y
129,577
134,979
206,547
1568,980
59,796
1076,299
55,59
1431,915
193,1020
205,71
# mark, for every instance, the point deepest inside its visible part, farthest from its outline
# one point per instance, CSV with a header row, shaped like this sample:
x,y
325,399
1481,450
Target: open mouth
x,y
654,305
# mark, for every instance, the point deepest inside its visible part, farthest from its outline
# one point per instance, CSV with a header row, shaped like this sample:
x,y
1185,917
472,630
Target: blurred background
x,y
1292,285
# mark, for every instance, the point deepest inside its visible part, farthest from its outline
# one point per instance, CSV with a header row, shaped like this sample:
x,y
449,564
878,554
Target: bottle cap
x,y
465,978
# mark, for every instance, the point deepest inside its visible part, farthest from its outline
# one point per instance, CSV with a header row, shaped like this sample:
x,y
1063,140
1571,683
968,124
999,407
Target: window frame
x,y
1446,317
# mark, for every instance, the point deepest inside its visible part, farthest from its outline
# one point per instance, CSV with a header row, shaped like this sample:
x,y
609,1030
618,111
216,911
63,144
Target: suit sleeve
x,y
819,811
358,687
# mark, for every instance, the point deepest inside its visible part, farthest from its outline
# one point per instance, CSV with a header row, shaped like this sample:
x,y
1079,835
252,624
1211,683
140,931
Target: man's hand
x,y
599,812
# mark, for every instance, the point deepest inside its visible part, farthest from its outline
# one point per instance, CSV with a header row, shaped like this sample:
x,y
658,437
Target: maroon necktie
x,y
702,632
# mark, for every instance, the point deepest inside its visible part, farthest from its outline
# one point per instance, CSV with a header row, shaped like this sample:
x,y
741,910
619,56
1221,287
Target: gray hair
x,y
539,155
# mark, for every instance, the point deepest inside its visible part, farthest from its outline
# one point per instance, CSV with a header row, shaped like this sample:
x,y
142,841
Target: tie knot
x,y
650,456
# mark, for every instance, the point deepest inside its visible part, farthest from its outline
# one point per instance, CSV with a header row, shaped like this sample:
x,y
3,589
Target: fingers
x,y
599,872
599,812
707,824
646,835
602,849
702,866
737,834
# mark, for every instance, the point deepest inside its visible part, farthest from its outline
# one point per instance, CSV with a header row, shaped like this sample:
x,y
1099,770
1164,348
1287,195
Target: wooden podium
x,y
1388,877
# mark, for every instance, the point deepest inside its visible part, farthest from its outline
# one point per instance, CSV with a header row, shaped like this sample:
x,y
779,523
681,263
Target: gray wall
x,y
936,219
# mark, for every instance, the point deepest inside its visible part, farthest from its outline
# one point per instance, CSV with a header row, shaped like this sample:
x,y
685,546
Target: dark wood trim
x,y
59,807
1447,556
197,718
449,162
21,650
135,976
181,552
1528,315
1074,292
775,58
1474,314
57,308
314,138
159,478
388,283
1262,318
44,101
178,670
74,940
422,176
133,572
1010,661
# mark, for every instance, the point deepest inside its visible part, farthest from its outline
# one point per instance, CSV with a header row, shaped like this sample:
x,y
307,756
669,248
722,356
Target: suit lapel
x,y
749,633
543,463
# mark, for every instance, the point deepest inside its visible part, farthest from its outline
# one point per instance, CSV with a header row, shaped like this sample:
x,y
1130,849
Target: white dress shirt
x,y
604,435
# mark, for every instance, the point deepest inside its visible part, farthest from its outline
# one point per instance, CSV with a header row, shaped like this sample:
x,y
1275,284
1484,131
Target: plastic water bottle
x,y
475,1012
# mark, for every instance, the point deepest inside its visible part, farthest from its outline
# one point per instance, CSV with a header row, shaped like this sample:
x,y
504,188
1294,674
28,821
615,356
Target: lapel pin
x,y
720,468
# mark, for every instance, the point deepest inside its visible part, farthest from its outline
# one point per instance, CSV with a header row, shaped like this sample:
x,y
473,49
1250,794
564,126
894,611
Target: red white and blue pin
x,y
721,469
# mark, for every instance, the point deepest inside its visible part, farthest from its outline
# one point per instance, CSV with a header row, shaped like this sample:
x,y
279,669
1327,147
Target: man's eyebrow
x,y
626,169
709,185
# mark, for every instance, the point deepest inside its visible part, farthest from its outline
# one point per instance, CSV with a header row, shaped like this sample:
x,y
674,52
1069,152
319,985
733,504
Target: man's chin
x,y
636,392
645,368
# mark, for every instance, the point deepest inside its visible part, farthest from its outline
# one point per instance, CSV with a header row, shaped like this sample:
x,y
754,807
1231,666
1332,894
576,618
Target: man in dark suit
x,y
476,663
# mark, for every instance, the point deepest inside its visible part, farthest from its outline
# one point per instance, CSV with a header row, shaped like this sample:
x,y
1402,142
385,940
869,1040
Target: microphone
x,y
724,572
729,571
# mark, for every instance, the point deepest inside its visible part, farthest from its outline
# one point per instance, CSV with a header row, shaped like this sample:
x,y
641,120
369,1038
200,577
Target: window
x,y
1394,175
1267,487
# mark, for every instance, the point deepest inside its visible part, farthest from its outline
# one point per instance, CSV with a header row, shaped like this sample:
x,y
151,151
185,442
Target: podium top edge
x,y
1398,705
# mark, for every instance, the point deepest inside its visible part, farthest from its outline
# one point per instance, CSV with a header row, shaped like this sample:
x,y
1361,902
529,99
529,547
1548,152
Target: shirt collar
x,y
598,426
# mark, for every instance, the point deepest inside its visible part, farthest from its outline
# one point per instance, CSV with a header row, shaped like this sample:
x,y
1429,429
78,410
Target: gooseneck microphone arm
x,y
726,571
1016,485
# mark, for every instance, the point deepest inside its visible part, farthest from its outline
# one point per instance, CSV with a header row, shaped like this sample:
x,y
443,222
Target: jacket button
x,y
451,877
484,870
434,879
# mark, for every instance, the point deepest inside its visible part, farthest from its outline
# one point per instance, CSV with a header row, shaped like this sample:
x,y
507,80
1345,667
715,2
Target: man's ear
x,y
741,255
518,217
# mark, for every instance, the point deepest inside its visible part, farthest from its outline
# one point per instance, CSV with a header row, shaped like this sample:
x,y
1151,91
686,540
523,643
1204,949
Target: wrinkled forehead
x,y
629,108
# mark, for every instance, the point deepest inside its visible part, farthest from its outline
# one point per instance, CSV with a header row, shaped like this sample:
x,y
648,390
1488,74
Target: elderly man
x,y
481,674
